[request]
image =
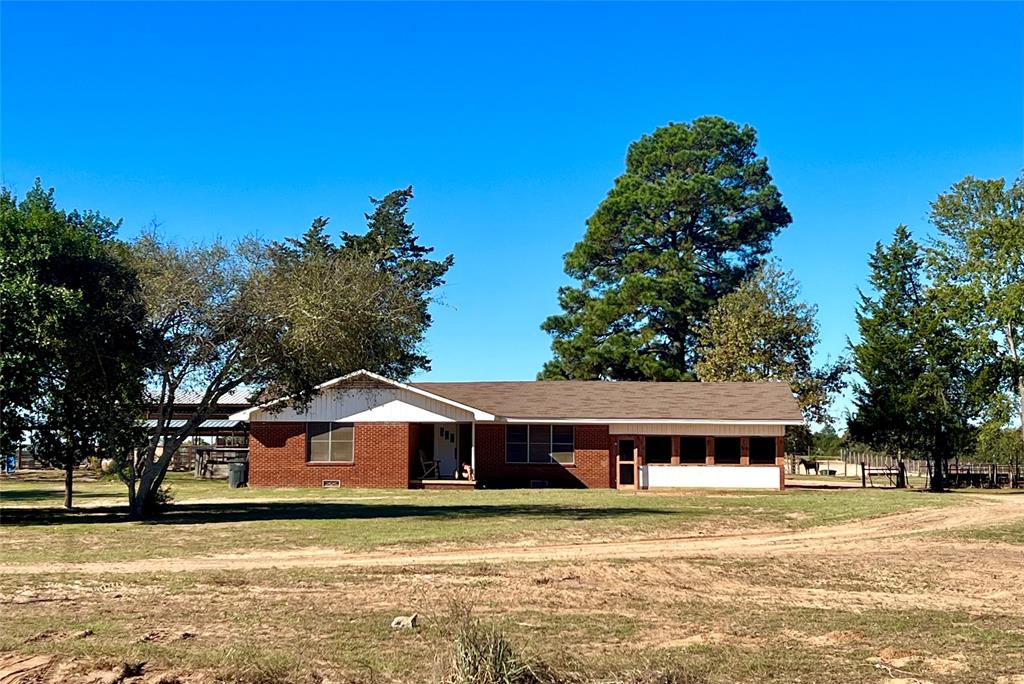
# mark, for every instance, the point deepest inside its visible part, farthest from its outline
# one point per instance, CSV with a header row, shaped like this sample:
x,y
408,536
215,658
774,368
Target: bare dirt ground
x,y
852,538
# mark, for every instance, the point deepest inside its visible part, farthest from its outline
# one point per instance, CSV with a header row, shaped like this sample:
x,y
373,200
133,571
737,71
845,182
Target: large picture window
x,y
540,444
330,442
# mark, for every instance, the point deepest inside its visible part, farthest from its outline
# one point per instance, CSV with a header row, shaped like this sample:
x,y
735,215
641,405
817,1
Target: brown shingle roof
x,y
764,401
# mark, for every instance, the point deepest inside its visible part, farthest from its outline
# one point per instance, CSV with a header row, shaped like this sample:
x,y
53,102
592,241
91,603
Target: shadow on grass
x,y
22,495
199,513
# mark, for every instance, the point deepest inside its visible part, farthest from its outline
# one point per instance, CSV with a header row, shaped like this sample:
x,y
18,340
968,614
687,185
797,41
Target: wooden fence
x,y
865,464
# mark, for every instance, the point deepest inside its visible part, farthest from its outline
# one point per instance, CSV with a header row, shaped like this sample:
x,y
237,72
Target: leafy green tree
x,y
275,320
690,218
762,331
32,305
392,246
827,441
923,386
979,270
999,444
84,357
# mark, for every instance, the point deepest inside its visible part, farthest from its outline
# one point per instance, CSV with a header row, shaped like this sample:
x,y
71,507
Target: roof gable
x,y
363,396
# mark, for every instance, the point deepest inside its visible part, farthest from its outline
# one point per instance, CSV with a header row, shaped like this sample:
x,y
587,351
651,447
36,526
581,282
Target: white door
x,y
446,449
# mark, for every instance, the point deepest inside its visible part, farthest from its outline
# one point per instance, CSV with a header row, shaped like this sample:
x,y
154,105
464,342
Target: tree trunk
x,y
69,473
149,478
1011,342
940,454
938,482
143,504
1020,405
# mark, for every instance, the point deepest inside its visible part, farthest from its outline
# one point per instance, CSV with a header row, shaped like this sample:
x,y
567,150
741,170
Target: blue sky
x,y
511,121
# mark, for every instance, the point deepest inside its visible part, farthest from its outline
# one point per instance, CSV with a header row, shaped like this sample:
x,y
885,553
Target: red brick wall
x,y
593,467
277,456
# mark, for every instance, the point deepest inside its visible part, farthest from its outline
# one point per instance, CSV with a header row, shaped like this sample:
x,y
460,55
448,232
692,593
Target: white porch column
x,y
472,449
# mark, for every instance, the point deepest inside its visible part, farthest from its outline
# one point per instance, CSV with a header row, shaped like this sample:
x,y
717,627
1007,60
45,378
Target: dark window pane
x,y
516,433
692,449
626,449
727,450
319,431
342,433
625,473
562,434
540,434
516,453
540,453
659,449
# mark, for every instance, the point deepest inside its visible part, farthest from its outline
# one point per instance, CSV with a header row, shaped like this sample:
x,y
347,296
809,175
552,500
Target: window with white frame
x,y
330,442
540,444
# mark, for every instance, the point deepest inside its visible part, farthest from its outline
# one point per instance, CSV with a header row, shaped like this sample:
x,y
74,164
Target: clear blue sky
x,y
511,121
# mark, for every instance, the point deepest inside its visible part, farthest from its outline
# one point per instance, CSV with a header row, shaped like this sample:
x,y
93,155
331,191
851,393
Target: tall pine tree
x,y
690,218
923,387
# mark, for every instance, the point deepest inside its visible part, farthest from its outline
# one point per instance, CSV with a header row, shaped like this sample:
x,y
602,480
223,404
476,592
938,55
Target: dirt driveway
x,y
851,538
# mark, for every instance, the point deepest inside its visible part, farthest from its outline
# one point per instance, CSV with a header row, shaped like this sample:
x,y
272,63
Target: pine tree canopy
x,y
691,217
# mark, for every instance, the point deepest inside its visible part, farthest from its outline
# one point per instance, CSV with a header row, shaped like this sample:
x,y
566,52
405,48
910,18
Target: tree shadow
x,y
7,497
223,512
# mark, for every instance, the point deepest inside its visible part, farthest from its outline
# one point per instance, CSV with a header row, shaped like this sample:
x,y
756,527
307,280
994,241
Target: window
x,y
762,450
563,446
516,443
659,449
330,442
541,444
693,449
727,450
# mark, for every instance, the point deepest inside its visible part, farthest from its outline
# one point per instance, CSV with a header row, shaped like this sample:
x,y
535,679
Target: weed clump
x,y
481,654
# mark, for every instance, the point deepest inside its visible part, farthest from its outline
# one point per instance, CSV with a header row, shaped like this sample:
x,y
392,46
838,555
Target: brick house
x,y
364,430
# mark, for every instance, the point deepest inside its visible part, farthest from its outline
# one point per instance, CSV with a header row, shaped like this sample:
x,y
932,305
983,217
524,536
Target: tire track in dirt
x,y
861,535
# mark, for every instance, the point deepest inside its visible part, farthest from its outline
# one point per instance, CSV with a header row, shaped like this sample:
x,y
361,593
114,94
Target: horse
x,y
809,466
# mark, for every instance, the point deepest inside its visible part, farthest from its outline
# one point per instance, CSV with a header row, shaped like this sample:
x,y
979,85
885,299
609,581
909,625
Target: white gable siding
x,y
391,405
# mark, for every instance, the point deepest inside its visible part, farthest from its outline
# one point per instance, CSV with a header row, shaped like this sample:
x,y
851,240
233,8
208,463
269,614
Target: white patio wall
x,y
710,477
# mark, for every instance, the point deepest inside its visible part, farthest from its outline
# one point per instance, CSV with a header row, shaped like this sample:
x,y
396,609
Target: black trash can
x,y
237,474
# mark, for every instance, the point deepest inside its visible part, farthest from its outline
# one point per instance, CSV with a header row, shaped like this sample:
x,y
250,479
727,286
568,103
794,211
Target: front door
x,y
625,465
446,449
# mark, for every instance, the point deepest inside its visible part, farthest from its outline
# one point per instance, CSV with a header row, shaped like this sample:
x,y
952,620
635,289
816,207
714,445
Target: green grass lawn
x,y
207,517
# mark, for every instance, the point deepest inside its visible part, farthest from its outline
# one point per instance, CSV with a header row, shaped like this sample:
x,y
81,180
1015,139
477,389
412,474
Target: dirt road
x,y
975,511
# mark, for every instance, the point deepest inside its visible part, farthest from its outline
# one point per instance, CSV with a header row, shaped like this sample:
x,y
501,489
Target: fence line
x,y
852,463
